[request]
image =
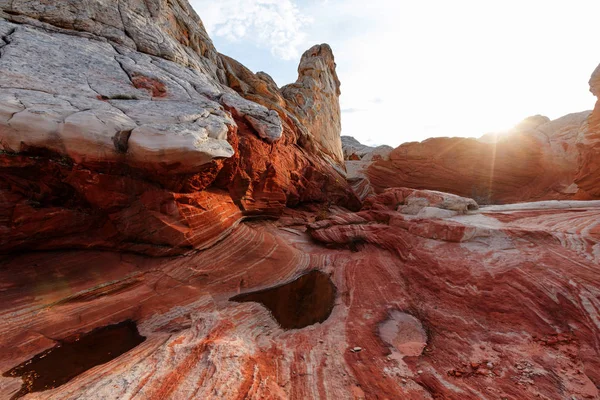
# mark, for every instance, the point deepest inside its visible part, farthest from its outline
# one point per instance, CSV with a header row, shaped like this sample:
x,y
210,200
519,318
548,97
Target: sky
x,y
416,69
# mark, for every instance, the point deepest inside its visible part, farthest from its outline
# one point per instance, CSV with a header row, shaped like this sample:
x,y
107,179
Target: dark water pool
x,y
305,301
75,355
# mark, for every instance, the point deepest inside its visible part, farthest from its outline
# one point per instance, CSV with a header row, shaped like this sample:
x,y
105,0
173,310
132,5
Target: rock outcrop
x,y
147,150
310,106
588,175
538,160
169,30
355,151
358,159
313,99
174,226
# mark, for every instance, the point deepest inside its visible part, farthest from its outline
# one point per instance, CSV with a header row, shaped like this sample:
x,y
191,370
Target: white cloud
x,y
277,25
415,69
461,68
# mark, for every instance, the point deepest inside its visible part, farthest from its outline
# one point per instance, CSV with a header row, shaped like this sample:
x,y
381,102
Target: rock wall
x,y
167,29
538,160
588,176
129,138
313,98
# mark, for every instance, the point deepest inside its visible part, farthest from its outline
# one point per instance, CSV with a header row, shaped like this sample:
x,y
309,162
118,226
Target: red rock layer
x,y
517,169
501,303
50,202
538,160
310,107
434,299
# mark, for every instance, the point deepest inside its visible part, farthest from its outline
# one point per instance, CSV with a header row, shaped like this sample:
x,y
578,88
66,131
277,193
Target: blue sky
x,y
417,69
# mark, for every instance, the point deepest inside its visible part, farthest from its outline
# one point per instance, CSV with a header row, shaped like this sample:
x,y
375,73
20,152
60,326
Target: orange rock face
x,y
313,99
50,202
552,160
179,158
588,176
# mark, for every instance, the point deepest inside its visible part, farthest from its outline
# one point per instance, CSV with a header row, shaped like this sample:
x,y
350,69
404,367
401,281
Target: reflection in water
x,y
73,356
298,304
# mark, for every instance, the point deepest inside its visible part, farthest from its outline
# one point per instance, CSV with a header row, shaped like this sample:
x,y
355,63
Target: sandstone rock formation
x,y
588,175
355,151
174,226
104,146
466,304
358,158
170,30
313,98
538,160
310,106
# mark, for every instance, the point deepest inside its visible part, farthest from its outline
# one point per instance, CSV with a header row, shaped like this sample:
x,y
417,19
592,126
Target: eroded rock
x,y
107,140
111,209
314,99
537,160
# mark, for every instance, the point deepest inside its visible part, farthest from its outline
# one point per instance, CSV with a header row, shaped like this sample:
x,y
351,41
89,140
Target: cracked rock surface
x,y
74,95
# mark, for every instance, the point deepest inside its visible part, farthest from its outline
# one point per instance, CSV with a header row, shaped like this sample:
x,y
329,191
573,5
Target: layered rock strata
x,y
435,299
128,137
538,160
358,157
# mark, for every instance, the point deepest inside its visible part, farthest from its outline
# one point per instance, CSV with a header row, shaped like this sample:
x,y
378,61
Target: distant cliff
x,y
538,160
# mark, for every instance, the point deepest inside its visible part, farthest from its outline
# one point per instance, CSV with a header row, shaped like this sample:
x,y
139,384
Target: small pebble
x,y
357,349
420,371
404,380
490,365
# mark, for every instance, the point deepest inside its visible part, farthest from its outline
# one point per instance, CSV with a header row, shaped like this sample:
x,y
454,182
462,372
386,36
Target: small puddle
x,y
298,304
75,355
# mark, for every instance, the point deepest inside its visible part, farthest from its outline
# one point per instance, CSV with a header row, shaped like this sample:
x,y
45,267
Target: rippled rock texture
x,y
433,299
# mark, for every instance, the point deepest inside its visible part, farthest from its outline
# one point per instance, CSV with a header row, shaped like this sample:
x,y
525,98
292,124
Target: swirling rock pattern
x,y
500,302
